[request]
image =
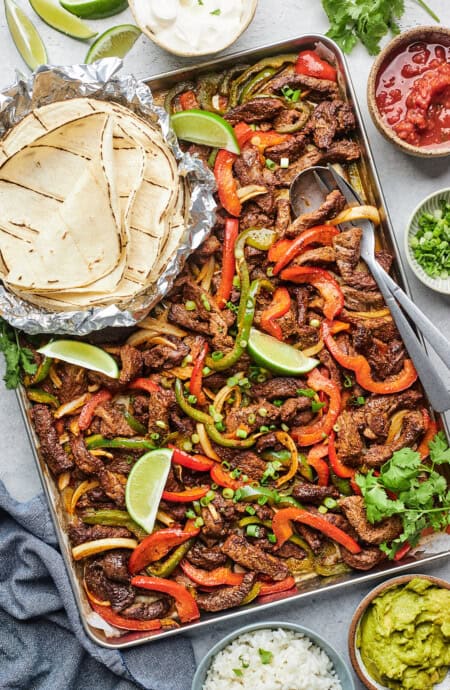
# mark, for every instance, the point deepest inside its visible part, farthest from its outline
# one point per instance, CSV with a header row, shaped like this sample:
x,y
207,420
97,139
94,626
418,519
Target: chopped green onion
x,y
253,531
190,305
314,323
190,514
284,162
265,656
277,403
236,473
216,355
316,406
244,661
206,371
214,486
228,493
220,426
225,464
204,300
192,399
154,436
348,381
195,438
161,424
330,502
249,509
322,509
285,427
270,164
241,433
237,672
262,412
199,522
187,446
264,429
272,538
251,419
306,392
336,428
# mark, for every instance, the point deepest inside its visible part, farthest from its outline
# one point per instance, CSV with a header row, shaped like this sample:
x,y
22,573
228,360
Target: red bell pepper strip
x,y
403,550
327,286
228,262
263,140
184,601
193,462
308,62
196,382
188,100
226,183
284,251
280,305
430,433
211,578
194,494
282,528
243,133
315,433
274,587
144,385
361,367
223,478
88,409
314,458
157,545
121,622
337,465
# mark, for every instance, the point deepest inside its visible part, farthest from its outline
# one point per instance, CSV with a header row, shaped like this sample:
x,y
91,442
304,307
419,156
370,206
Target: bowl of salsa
x,y
409,91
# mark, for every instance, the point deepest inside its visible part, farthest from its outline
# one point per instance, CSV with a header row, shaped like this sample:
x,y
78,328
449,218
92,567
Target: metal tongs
x,y
439,397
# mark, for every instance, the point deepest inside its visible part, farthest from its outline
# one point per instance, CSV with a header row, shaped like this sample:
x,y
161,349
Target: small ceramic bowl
x,y
341,668
426,34
430,204
354,653
250,10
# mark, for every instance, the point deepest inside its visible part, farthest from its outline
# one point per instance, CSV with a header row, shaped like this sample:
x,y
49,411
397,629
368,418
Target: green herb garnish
x,y
265,656
421,497
17,358
431,243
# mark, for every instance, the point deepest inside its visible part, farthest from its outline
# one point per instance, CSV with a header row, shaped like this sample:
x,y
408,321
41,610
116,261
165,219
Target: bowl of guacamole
x,y
400,635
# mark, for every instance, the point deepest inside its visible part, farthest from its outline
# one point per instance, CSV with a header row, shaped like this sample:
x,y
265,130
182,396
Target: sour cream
x,y
193,27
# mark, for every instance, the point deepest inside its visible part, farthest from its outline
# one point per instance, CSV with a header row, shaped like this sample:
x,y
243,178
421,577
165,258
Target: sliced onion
x,y
396,425
183,373
81,489
72,406
54,378
208,276
165,518
90,548
63,481
289,443
356,213
206,443
314,349
162,326
250,191
380,313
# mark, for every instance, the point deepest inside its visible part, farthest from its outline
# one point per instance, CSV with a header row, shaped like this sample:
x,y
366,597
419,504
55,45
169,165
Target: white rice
x,y
296,664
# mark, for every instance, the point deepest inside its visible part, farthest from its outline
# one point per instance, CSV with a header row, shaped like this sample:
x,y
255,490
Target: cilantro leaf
x,y
398,472
439,451
16,357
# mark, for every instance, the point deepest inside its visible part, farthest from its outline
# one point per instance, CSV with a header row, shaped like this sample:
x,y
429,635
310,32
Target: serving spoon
x,y
317,181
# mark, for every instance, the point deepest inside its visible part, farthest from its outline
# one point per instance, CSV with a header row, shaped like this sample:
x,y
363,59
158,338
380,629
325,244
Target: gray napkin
x,y
42,643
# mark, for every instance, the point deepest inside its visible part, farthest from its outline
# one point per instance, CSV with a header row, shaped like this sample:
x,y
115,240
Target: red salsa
x,y
413,94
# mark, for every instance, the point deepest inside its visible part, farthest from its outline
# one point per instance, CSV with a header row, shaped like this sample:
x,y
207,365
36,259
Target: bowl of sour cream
x,y
193,27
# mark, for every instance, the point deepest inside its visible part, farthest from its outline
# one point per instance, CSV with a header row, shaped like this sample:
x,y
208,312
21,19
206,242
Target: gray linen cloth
x,y
42,643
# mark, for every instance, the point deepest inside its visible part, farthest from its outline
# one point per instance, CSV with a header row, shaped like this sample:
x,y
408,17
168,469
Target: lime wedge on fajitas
x,y
83,355
115,42
94,9
25,35
145,485
202,127
277,356
51,12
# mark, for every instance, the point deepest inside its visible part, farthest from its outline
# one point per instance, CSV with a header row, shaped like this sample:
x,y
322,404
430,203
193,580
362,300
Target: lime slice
x,y
277,356
115,42
94,9
202,127
58,18
25,35
145,485
83,355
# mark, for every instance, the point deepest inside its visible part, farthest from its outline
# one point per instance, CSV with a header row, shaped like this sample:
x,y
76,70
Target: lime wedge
x,y
202,127
25,36
58,18
94,9
277,356
83,355
145,485
115,42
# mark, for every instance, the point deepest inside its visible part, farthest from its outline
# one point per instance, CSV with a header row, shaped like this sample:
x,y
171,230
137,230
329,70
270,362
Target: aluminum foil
x,y
102,80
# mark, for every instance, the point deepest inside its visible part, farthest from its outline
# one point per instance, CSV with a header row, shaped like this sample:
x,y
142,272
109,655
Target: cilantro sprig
x,y
17,358
411,489
365,20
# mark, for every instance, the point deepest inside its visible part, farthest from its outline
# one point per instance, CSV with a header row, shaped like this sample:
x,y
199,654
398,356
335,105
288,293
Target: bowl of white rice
x,y
273,656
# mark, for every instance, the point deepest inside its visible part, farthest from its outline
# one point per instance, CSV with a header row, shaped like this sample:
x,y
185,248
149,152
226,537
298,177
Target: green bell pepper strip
x,y
175,91
135,424
282,456
190,411
255,83
238,84
343,485
165,567
253,493
259,238
42,371
230,74
99,441
254,592
114,518
220,440
37,395
246,315
207,87
303,112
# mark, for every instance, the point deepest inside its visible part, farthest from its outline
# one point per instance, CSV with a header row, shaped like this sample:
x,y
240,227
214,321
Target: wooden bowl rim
x,y
414,34
180,53
361,609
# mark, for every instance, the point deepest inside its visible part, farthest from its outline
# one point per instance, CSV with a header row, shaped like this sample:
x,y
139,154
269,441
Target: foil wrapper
x,y
102,80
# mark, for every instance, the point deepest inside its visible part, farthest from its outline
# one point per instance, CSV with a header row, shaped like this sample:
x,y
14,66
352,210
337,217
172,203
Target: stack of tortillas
x,y
92,207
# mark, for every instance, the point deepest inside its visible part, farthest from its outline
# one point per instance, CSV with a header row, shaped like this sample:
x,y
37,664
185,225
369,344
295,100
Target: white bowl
x,y
428,205
248,17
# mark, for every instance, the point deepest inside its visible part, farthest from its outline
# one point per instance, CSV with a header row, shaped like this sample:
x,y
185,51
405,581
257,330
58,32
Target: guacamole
x,y
404,636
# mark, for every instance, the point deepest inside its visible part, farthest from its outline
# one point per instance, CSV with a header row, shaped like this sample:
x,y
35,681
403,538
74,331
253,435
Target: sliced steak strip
x,y
385,359
226,597
115,565
87,463
283,216
113,485
349,445
386,530
131,359
240,416
412,429
343,151
249,464
330,118
206,557
333,204
282,387
254,558
78,534
113,422
120,595
292,148
355,300
147,611
52,451
310,493
250,170
165,357
318,89
257,110
365,559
